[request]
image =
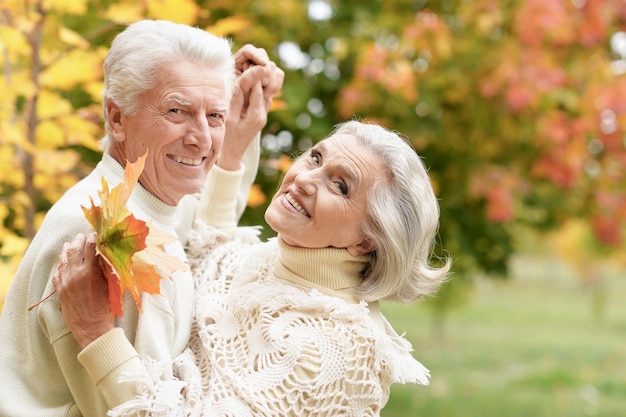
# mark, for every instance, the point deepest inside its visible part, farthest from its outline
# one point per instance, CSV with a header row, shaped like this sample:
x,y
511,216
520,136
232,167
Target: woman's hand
x,y
83,290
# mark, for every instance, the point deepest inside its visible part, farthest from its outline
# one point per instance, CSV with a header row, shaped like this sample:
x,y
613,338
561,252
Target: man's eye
x,y
216,119
175,111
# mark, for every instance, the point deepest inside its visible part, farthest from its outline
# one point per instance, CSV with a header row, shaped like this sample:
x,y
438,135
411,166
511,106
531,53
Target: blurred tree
x,y
516,106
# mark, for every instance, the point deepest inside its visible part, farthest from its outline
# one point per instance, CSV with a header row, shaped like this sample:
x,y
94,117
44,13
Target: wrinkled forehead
x,y
348,146
350,153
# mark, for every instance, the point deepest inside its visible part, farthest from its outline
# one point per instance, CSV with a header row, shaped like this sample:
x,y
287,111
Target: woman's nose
x,y
307,182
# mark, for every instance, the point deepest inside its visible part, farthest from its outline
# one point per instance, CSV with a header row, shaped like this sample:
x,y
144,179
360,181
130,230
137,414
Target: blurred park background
x,y
518,108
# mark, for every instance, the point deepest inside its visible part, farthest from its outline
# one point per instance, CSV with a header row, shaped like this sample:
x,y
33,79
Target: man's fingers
x,y
248,79
76,249
236,103
258,102
250,55
63,257
62,265
269,78
90,248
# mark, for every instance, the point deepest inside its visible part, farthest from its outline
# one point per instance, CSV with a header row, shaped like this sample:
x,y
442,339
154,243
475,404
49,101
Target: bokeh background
x,y
518,108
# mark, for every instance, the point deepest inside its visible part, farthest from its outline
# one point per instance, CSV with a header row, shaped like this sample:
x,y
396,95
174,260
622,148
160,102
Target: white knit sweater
x,y
39,373
276,333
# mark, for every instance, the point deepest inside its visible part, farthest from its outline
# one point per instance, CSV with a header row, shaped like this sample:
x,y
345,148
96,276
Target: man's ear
x,y
115,119
364,246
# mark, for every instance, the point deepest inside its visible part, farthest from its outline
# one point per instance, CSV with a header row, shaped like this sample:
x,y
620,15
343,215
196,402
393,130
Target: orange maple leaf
x,y
131,252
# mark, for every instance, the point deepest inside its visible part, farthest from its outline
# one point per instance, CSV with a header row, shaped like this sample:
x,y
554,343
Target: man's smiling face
x,y
181,123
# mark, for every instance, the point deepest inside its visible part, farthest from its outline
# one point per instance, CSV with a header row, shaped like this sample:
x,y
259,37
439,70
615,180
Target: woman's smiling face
x,y
322,201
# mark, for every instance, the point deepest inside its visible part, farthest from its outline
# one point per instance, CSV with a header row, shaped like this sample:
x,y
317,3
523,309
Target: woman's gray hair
x,y
403,220
129,67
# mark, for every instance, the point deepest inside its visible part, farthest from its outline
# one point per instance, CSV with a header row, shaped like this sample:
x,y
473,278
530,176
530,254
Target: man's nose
x,y
200,134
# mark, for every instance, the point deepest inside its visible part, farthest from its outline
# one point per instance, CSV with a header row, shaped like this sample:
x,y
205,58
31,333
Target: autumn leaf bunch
x,y
130,250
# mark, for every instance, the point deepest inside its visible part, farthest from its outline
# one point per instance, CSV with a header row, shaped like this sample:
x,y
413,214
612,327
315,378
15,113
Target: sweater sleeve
x,y
107,359
218,201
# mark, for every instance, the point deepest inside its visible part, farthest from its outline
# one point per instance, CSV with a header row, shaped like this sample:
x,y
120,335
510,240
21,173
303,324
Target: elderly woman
x,y
292,326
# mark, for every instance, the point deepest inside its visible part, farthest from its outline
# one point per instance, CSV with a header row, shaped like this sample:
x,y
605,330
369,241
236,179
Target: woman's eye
x,y
316,156
342,187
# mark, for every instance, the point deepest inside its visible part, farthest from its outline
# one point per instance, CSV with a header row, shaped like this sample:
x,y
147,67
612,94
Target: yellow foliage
x,y
443,46
19,201
52,163
278,104
179,11
284,163
77,66
4,212
94,89
19,84
10,169
14,43
49,135
51,104
256,196
229,26
13,245
12,248
72,7
13,6
7,270
79,130
14,134
125,12
574,242
53,189
39,216
72,38
400,80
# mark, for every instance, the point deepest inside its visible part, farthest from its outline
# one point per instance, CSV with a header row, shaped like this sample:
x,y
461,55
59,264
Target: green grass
x,y
526,347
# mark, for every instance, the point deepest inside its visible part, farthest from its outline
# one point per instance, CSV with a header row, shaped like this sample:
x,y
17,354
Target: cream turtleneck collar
x,y
333,271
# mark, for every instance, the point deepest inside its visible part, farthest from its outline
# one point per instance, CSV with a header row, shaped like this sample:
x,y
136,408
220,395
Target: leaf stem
x,y
42,300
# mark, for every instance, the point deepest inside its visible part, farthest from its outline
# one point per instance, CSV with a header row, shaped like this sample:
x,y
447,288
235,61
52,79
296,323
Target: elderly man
x,y
168,90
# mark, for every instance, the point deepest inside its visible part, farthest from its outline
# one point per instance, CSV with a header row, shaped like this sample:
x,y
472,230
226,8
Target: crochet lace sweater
x,y
276,332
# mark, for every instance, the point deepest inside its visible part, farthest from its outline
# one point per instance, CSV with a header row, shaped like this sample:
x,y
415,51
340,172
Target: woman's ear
x,y
364,246
115,119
